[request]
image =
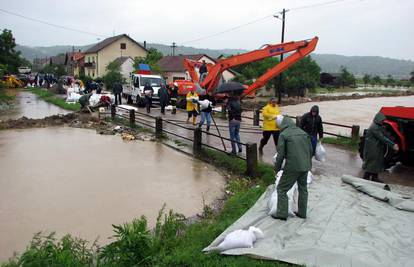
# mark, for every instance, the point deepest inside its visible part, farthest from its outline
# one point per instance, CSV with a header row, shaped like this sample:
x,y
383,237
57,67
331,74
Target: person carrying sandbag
x,y
294,146
311,123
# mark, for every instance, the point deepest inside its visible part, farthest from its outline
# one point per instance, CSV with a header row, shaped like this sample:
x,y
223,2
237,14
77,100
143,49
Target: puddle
x,y
74,181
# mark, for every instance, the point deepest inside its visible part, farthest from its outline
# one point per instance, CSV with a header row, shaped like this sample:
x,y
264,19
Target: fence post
x,y
113,112
158,127
197,141
251,159
223,112
256,117
298,119
355,132
131,118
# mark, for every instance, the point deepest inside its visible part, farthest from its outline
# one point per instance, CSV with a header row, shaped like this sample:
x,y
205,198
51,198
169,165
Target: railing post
x,y
251,159
158,127
113,112
197,141
224,111
256,117
298,119
355,132
131,118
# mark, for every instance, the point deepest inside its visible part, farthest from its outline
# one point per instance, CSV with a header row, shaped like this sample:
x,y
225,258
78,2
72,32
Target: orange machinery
x,y
299,50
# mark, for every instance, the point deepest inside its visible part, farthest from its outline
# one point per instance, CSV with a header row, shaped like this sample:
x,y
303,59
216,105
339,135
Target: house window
x,y
93,59
93,73
123,45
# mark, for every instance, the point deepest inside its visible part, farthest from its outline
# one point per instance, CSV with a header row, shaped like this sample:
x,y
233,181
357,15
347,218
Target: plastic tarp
x,y
344,228
377,190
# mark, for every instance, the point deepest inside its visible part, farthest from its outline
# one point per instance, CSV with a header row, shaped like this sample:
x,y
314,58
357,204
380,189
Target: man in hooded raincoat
x,y
375,142
294,146
311,123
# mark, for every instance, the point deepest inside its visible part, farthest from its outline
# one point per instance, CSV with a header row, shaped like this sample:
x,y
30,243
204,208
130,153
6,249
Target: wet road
x,y
30,106
75,181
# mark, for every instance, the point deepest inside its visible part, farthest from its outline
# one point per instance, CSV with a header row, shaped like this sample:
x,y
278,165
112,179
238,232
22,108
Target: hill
x,y
358,65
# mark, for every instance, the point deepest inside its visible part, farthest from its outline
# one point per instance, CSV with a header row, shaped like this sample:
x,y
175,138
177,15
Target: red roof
x,y
176,63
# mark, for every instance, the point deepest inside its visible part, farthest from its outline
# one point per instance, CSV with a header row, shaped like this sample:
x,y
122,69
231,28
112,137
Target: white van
x,y
134,92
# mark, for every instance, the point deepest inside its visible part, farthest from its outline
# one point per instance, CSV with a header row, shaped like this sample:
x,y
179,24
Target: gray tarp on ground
x,y
377,190
344,228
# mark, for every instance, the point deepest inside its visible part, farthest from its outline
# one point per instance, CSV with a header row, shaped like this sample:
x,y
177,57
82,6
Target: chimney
x,y
145,44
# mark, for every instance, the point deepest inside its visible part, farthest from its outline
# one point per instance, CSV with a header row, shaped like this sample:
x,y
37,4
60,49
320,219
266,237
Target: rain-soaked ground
x,y
30,106
74,181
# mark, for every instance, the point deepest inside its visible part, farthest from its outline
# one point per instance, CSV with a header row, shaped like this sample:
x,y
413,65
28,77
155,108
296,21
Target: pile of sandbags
x,y
240,239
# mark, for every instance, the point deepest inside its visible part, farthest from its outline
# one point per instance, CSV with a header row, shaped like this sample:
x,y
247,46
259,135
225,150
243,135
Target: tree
x,y
346,78
151,59
57,70
113,74
377,80
389,81
9,58
366,79
303,75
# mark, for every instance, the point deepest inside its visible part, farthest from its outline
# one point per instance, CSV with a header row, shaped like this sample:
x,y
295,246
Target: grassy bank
x,y
347,143
7,95
172,242
53,99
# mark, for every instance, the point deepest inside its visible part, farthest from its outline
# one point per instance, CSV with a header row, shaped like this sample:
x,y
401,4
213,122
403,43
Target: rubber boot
x,y
208,128
194,121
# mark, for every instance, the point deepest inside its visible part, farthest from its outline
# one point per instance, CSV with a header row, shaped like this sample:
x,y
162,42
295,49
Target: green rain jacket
x,y
295,146
374,148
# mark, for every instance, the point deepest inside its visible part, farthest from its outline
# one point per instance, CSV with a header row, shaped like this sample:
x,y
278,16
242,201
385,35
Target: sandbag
x,y
274,161
293,195
320,152
240,239
204,104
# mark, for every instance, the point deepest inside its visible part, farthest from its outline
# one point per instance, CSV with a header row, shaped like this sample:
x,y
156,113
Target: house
x,y
127,66
100,55
173,67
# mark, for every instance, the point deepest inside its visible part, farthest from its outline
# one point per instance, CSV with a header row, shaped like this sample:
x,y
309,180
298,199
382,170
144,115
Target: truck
x,y
399,125
134,90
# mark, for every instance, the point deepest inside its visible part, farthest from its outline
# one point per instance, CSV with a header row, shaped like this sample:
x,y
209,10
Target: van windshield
x,y
155,82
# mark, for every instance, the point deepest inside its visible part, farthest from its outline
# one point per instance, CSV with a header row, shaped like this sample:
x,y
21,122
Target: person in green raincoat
x,y
295,147
374,148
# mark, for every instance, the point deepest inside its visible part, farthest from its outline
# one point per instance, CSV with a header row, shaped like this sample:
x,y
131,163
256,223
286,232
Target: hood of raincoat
x,y
379,118
315,109
286,122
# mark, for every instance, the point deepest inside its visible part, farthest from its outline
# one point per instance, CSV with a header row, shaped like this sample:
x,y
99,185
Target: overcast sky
x,y
348,27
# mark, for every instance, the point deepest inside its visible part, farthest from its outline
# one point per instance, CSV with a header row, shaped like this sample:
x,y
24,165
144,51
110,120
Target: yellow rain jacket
x,y
190,105
269,117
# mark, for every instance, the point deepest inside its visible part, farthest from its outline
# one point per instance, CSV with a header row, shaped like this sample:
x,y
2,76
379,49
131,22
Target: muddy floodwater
x,y
349,112
30,106
75,181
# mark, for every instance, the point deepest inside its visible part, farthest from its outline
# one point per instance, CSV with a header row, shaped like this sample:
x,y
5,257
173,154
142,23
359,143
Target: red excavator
x,y
210,82
399,127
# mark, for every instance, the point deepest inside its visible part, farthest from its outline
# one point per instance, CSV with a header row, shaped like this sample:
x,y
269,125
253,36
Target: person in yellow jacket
x,y
192,100
269,112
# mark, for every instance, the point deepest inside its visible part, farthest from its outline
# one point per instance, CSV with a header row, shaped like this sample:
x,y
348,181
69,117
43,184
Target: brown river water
x,y
74,181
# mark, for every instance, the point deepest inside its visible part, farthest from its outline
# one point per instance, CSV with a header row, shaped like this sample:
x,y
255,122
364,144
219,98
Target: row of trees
x,y
389,81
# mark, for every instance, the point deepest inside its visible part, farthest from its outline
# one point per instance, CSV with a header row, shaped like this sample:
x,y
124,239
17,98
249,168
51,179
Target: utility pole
x,y
280,80
173,48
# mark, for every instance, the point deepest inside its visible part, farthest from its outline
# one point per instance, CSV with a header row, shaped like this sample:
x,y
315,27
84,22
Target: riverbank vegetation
x,y
173,242
53,99
347,143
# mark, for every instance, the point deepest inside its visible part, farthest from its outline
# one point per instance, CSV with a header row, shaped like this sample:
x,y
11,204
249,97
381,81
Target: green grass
x,y
5,96
347,143
171,243
51,98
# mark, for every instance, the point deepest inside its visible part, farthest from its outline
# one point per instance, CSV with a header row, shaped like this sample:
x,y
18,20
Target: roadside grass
x,y
51,98
347,143
7,95
172,242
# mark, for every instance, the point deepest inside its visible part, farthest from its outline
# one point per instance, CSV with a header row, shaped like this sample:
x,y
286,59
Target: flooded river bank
x,y
74,181
30,106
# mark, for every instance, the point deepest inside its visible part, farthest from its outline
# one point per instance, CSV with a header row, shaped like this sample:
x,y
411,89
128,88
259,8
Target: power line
x,y
51,24
265,17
